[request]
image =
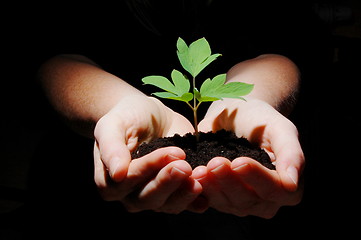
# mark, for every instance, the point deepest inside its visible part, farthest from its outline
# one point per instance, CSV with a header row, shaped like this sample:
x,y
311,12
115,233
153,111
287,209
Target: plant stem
x,y
196,133
195,117
194,108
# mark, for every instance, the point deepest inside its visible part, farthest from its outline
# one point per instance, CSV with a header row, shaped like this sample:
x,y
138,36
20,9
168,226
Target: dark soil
x,y
220,144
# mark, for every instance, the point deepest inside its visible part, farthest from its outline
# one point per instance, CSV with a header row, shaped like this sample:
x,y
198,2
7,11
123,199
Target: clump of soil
x,y
219,144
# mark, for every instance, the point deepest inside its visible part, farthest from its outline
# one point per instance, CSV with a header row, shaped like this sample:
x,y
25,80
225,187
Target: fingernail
x,y
115,162
176,171
236,169
117,171
293,174
217,168
172,158
199,173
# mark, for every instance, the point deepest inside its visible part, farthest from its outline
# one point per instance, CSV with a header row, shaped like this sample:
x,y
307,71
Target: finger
x,y
216,118
206,125
183,197
180,125
156,192
238,195
290,164
113,150
100,172
264,182
201,203
243,197
289,157
199,173
212,188
220,171
149,165
144,169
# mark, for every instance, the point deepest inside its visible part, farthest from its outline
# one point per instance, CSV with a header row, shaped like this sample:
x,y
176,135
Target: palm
x,y
142,183
261,124
133,120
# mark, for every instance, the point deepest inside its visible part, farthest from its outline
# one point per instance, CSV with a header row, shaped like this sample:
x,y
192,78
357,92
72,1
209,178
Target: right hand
x,y
158,181
243,186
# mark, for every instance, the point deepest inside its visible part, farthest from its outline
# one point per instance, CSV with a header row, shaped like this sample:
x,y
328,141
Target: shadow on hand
x,y
226,120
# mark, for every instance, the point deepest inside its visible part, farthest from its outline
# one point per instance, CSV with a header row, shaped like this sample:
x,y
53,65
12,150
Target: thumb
x,y
290,162
206,125
215,121
113,151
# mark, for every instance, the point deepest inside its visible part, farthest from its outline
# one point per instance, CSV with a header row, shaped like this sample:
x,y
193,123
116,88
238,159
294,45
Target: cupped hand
x,y
158,181
243,186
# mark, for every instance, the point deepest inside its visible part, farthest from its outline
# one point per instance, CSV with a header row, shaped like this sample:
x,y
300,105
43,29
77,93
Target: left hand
x,y
245,187
158,181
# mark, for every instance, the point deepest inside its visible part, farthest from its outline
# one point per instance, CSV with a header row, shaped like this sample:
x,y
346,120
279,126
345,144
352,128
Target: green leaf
x,y
159,81
181,83
199,51
215,89
210,86
178,90
207,62
187,97
184,98
183,56
201,98
197,94
195,57
164,94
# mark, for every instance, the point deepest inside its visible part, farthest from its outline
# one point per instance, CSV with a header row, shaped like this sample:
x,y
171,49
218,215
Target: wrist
x,y
276,79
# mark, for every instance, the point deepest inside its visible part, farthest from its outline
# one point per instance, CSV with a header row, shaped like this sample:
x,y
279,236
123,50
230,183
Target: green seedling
x,y
194,59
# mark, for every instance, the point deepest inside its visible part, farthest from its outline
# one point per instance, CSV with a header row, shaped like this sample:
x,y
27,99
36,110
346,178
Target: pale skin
x,y
102,106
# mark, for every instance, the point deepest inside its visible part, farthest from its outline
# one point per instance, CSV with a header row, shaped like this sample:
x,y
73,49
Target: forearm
x,y
275,78
80,90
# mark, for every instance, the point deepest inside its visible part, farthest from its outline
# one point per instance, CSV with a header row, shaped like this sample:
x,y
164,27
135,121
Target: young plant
x,y
194,59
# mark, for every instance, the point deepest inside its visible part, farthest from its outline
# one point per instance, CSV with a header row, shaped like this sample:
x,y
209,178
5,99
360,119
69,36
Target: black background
x,y
47,189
